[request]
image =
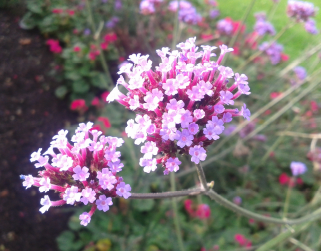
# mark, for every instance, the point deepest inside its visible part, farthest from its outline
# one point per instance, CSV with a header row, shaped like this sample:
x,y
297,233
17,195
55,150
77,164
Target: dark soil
x,y
30,115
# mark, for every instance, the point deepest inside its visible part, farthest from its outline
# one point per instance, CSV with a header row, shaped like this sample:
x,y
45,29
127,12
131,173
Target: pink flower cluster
x,y
54,46
85,172
181,106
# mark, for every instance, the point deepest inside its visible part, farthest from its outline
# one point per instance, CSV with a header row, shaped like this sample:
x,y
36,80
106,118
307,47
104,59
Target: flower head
x,y
84,171
181,106
298,168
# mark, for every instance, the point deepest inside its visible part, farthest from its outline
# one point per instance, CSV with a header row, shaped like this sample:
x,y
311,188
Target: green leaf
x,y
80,86
34,7
66,242
73,75
27,22
74,223
61,91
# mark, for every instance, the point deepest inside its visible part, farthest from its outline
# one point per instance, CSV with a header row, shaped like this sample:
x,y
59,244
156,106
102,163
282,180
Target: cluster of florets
x,y
147,7
225,27
181,105
300,72
273,51
262,26
302,12
186,11
85,172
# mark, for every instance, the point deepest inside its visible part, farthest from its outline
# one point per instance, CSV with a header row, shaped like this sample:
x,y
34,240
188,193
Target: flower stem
x,y
287,198
201,176
239,210
165,195
175,214
96,38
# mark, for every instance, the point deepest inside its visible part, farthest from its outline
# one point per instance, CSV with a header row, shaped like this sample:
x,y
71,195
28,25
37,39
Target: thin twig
x,y
201,176
165,195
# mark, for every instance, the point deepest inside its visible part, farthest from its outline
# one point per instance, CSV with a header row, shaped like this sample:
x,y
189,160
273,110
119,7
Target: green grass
x,y
295,40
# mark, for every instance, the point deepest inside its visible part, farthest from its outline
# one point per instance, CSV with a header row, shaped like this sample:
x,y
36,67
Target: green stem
x,y
96,38
175,214
284,236
287,198
244,212
201,176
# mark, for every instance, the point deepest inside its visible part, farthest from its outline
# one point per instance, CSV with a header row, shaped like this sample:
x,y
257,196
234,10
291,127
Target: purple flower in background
x,y
300,10
311,27
147,7
112,22
237,200
300,72
214,13
224,27
87,32
263,27
118,4
187,12
273,51
298,168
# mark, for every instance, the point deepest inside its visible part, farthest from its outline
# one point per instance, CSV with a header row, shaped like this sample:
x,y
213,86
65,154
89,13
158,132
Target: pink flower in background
x,y
54,46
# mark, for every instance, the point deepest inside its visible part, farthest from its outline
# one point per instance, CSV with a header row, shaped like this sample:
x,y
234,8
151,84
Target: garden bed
x,y
30,115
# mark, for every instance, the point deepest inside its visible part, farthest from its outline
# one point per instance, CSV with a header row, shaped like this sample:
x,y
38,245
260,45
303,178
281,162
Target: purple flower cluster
x,y
300,10
262,26
147,7
83,172
186,11
225,27
273,51
112,22
300,72
311,27
298,168
181,106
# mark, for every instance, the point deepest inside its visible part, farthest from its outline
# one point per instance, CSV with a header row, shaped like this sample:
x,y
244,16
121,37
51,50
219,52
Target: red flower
x,y
188,207
242,241
95,101
284,179
284,57
203,211
104,46
314,106
274,95
98,128
105,121
104,96
57,11
71,12
121,59
111,37
207,36
236,50
76,49
54,45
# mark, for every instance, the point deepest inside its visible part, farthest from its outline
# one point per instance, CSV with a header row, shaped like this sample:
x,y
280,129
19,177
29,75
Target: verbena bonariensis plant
x,y
181,106
83,172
